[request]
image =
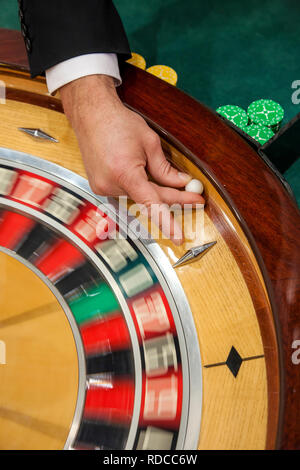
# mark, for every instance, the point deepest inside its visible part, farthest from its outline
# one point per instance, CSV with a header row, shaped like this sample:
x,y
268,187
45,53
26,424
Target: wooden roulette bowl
x,y
103,343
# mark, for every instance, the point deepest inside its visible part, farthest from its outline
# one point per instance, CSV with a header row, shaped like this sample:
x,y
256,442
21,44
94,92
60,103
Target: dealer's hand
x,y
118,147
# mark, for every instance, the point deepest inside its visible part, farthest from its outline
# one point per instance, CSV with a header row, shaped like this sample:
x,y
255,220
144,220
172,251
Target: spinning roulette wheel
x,y
104,343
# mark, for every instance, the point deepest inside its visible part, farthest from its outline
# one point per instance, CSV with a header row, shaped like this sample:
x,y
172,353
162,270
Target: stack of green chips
x,y
266,113
259,133
235,114
264,116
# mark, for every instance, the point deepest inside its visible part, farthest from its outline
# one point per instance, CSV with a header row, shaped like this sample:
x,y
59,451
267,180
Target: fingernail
x,y
184,176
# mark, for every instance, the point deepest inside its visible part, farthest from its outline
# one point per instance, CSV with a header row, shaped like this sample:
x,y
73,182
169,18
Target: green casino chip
x,y
259,133
235,114
266,113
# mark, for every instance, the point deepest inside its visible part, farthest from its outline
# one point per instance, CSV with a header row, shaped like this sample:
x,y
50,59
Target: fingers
x,y
143,192
174,196
159,167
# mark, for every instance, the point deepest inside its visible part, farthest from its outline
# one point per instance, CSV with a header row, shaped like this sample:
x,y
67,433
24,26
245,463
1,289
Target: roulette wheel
x,y
113,343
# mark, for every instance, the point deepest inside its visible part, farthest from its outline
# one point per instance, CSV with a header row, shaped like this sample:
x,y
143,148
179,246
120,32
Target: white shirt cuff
x,y
81,66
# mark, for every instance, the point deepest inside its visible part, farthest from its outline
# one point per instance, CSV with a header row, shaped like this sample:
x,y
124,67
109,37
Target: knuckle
x,y
153,139
119,168
99,187
122,176
165,167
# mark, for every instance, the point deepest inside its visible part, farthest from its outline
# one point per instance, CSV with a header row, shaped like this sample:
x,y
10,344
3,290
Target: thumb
x,y
161,169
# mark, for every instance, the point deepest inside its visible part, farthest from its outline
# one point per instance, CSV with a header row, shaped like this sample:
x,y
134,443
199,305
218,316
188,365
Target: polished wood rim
x,y
256,194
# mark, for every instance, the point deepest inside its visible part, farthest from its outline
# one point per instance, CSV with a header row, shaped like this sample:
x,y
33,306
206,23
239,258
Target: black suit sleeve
x,y
57,30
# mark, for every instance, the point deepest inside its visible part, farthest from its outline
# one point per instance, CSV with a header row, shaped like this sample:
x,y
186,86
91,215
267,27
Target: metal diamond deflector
x,y
37,133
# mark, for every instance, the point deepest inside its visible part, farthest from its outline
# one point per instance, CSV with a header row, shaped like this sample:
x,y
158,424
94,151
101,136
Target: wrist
x,y
85,93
